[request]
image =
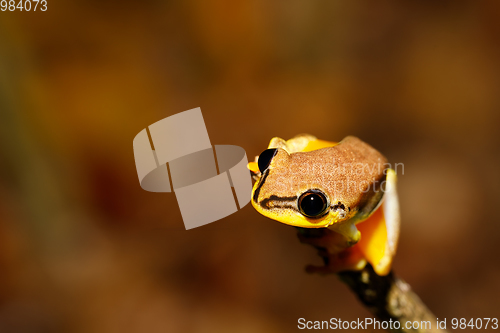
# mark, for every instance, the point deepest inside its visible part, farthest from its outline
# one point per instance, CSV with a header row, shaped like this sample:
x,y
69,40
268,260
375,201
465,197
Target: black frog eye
x,y
265,159
313,203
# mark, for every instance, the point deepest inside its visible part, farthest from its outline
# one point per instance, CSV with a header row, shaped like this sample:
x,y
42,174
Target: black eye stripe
x,y
257,190
282,201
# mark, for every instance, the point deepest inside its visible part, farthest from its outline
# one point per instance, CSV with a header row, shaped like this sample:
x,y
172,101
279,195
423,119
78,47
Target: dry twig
x,y
388,297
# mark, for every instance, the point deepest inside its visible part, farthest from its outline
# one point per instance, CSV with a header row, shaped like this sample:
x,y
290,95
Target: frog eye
x,y
265,159
313,203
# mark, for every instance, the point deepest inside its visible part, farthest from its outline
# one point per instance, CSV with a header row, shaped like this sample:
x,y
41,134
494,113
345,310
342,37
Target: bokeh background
x,y
84,249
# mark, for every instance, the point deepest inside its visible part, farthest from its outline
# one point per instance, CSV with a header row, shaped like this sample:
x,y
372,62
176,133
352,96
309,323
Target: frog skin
x,y
346,187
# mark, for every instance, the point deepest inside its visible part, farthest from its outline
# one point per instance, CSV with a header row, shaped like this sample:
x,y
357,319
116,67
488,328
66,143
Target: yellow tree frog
x,y
347,187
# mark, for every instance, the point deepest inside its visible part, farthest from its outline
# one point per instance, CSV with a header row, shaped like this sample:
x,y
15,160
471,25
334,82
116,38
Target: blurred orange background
x,y
84,249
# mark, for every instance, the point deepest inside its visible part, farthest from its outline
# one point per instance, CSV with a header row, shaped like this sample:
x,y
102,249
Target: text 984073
x,y
23,5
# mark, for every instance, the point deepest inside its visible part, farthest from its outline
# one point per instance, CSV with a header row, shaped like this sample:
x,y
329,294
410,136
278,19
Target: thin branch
x,y
388,297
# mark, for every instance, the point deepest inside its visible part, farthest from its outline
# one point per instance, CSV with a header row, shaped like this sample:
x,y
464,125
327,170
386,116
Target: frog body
x,y
347,187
